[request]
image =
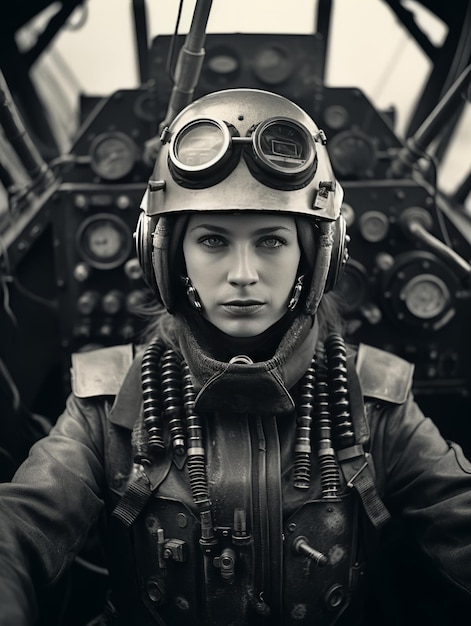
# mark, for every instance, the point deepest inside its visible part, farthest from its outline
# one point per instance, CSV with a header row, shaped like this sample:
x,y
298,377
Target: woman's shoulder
x,y
101,372
383,375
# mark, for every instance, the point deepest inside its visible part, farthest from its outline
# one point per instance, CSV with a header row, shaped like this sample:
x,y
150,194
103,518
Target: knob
x,y
135,299
112,302
82,272
301,546
88,302
226,563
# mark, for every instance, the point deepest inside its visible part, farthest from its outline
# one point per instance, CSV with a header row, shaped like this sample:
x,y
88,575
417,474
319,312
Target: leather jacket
x,y
162,571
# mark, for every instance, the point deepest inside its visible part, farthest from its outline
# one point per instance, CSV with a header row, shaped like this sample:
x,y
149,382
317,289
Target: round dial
x,y
113,155
273,65
426,296
419,290
374,226
353,153
221,67
104,241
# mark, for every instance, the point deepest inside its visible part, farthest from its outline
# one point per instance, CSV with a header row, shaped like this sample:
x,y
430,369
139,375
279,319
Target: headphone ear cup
x,y
144,248
339,255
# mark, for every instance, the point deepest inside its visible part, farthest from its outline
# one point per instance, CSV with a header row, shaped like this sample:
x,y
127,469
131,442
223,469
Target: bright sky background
x,y
368,49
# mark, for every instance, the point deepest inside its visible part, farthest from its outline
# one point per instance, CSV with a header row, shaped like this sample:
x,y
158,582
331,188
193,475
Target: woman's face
x,y
243,267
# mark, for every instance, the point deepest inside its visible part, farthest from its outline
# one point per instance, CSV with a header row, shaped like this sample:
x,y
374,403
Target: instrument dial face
x,y
113,155
419,291
426,296
104,241
273,65
353,153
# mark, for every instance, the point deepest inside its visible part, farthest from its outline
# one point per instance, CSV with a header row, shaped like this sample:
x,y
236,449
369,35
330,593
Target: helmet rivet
x,y
156,185
327,184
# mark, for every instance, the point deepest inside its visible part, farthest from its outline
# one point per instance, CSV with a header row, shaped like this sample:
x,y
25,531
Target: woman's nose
x,y
243,267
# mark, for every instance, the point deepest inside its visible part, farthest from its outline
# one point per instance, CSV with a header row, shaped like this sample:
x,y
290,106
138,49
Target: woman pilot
x,y
244,459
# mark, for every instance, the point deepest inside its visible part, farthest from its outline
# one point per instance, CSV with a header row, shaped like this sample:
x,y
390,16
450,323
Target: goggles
x,y
279,152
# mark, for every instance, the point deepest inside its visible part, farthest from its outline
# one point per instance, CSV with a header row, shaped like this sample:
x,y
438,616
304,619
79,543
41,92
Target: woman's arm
x,y
427,480
48,509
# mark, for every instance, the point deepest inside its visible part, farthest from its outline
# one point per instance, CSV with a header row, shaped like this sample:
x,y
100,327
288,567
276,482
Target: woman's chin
x,y
242,328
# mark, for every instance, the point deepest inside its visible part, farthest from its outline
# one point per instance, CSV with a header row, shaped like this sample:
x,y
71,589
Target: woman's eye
x,y
272,242
212,241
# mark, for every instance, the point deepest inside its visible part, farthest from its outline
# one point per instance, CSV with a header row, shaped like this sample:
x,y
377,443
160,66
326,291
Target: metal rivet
x,y
182,521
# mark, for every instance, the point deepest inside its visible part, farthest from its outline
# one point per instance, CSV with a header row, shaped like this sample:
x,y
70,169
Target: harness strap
x,y
357,473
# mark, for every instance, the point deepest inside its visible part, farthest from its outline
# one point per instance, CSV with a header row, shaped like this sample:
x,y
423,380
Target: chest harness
x,y
323,422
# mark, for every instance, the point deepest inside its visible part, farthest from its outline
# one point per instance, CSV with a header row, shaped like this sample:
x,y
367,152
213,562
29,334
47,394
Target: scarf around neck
x,y
260,387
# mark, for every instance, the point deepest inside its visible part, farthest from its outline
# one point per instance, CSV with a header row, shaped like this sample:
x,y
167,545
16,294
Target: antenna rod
x,y
189,63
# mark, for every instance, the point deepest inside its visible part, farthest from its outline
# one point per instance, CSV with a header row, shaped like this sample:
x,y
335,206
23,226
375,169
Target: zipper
x,y
267,519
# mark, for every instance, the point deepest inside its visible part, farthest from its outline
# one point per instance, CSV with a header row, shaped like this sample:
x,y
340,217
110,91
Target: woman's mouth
x,y
243,307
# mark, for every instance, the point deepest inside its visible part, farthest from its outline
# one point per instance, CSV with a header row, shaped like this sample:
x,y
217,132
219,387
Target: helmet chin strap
x,y
166,242
325,242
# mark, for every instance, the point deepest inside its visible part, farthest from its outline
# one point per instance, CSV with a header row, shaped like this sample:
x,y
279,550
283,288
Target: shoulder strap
x,y
356,463
357,471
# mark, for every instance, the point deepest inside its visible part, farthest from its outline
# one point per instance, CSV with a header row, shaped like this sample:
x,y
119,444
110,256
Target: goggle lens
x,y
200,145
283,146
280,152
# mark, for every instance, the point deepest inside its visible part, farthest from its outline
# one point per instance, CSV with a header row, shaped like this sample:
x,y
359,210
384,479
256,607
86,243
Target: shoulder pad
x,y
383,375
100,372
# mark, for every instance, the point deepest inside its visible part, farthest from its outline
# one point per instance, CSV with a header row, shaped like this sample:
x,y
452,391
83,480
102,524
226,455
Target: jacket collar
x,y
254,388
128,401
261,387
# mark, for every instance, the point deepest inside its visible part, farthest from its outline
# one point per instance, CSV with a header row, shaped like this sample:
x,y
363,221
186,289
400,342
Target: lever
x,y
417,222
301,546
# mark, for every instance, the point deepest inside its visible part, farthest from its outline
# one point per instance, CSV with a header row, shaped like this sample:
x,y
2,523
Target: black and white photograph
x,y
235,313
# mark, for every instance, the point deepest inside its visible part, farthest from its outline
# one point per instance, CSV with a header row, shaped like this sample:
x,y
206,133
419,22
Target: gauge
x,y
418,290
374,226
221,67
104,241
273,65
336,116
426,296
223,64
113,155
352,153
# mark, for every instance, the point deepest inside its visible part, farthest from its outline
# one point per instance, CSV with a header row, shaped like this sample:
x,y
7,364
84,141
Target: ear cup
x,y
339,254
144,249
